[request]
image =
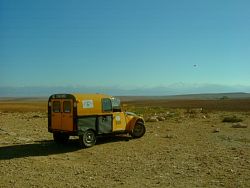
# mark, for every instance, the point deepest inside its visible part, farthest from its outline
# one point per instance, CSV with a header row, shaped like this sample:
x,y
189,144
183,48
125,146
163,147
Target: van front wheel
x,y
138,130
88,139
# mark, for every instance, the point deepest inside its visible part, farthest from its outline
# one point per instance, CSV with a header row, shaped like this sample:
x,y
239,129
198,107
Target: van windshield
x,y
116,104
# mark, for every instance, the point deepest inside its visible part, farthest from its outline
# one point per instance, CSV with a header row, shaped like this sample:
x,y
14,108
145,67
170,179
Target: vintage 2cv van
x,y
89,116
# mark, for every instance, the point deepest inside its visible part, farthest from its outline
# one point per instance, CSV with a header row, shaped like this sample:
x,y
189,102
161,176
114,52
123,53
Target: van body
x,y
89,116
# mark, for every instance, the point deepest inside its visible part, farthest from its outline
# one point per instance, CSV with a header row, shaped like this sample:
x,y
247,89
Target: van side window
x,y
106,105
67,106
56,106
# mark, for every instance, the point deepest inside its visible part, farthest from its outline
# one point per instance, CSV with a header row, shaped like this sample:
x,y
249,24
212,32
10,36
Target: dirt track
x,y
182,151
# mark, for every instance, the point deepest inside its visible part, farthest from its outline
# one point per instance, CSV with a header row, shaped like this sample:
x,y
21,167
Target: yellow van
x,y
89,116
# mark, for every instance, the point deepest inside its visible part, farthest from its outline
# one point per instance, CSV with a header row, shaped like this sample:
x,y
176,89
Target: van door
x,y
67,115
62,114
119,121
56,116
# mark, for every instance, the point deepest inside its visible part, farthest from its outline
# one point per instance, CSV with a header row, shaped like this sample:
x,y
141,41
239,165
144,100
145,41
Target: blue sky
x,y
125,44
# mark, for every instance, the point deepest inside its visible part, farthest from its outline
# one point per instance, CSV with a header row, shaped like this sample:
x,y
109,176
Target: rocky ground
x,y
185,150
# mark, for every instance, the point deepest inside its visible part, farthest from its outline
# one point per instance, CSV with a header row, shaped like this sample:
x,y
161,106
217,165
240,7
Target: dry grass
x,y
27,106
182,151
207,105
139,107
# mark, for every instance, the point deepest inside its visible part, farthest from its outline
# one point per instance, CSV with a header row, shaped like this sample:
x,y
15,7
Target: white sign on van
x,y
117,118
87,104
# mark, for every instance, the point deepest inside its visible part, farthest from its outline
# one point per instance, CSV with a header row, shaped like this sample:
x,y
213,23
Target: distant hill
x,y
213,96
208,96
164,92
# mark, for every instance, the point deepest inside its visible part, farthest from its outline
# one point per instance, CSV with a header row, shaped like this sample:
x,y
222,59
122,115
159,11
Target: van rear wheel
x,y
88,139
60,138
138,130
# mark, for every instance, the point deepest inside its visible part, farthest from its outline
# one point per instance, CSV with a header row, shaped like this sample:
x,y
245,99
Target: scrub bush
x,y
232,119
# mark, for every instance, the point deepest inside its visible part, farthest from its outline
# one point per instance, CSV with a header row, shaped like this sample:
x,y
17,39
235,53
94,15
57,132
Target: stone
x,y
152,119
239,125
216,130
161,118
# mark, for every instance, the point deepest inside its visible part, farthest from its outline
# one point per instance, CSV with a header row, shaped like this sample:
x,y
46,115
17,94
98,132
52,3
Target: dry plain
x,y
191,148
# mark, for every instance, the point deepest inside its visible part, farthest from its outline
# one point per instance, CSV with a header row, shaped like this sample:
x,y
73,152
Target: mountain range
x,y
178,91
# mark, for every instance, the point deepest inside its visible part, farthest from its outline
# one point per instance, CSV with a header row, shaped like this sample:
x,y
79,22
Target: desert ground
x,y
192,147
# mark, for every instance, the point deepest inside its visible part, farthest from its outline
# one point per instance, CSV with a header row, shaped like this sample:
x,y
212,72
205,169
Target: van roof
x,y
93,96
81,96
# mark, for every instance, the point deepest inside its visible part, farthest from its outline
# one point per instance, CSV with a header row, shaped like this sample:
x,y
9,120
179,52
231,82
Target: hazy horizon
x,y
116,91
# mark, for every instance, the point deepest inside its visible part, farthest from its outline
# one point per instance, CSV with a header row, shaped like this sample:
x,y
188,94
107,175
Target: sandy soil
x,y
183,151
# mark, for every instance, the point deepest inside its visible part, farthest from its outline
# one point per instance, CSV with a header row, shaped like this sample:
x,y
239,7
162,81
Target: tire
x,y
88,139
60,138
138,130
